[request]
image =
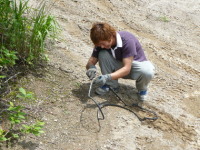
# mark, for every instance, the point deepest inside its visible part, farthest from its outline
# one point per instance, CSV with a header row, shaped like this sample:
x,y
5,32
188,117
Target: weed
x,y
17,121
23,31
16,115
2,135
7,58
78,84
35,129
164,19
24,94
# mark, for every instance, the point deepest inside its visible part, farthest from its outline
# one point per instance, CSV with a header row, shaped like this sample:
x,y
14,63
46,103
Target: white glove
x,y
91,72
101,80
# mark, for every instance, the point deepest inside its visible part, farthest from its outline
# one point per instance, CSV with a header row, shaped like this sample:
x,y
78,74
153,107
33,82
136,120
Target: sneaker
x,y
142,95
105,89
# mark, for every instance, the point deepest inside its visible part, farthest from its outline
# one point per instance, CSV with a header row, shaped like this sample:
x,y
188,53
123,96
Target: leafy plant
x,y
7,58
23,31
17,121
16,115
2,135
24,94
35,129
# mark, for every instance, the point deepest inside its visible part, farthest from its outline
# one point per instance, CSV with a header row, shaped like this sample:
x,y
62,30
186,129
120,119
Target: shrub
x,y
23,30
7,58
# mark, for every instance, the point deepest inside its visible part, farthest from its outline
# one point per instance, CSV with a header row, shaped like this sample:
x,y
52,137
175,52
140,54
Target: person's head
x,y
102,35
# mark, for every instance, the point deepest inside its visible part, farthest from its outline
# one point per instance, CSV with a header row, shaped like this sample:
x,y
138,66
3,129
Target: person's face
x,y
106,44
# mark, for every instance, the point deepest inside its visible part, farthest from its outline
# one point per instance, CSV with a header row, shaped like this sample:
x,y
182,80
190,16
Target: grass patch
x,y
23,31
23,34
164,19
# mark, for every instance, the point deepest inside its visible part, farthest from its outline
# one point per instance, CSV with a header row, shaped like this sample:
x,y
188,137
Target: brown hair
x,y
101,32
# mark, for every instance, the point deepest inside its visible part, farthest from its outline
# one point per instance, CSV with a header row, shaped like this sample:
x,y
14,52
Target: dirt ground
x,y
169,31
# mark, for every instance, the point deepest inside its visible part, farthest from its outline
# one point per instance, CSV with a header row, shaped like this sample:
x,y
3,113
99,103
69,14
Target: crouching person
x,y
120,55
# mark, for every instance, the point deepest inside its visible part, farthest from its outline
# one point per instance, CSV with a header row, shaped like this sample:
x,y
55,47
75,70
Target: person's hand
x,y
101,80
91,72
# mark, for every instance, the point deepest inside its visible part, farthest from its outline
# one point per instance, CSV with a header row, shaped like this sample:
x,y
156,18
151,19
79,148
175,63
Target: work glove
x,y
91,72
101,80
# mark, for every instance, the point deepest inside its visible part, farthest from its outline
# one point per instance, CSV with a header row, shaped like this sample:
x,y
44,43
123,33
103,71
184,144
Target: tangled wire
x,y
101,106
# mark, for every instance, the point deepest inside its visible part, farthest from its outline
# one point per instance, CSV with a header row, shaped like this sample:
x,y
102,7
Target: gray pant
x,y
142,72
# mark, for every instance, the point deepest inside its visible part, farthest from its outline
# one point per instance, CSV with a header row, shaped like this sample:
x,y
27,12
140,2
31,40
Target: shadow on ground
x,y
125,99
127,93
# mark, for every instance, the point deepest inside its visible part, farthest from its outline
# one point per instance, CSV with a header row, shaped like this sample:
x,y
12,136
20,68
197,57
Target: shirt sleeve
x,y
129,49
95,52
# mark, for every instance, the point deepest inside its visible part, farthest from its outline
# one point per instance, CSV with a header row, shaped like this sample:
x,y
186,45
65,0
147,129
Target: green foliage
x,y
7,58
16,115
23,94
78,84
23,31
17,121
35,129
1,77
164,19
2,135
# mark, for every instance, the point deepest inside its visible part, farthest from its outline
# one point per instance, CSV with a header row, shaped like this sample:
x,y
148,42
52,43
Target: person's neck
x,y
114,43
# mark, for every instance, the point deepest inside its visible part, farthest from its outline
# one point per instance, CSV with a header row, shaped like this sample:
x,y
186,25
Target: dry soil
x,y
169,32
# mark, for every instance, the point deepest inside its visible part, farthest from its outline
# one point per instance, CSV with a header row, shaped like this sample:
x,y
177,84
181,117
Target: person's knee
x,y
148,74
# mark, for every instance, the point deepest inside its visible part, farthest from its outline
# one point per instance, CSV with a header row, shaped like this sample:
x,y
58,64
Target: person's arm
x,y
125,70
91,62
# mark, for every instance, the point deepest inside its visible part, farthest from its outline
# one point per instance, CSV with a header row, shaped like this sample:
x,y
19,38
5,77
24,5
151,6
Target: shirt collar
x,y
119,41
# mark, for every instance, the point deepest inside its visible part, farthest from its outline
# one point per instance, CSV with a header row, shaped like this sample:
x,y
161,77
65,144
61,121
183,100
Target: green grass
x,y
164,19
23,30
23,34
